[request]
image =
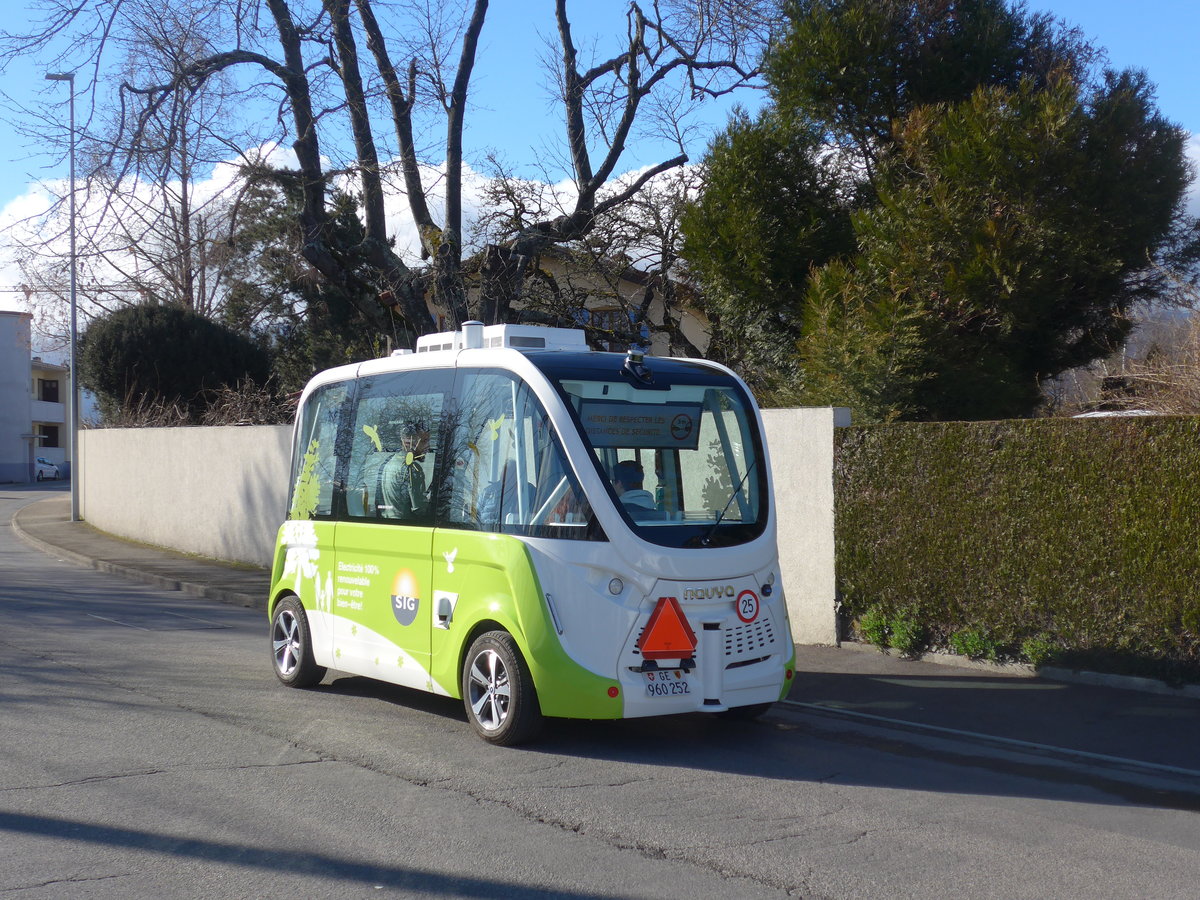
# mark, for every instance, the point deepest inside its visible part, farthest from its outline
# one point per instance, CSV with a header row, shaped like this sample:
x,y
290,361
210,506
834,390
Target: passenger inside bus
x,y
506,501
628,476
401,490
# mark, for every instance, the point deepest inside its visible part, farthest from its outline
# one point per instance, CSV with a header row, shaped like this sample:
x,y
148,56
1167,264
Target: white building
x,y
33,404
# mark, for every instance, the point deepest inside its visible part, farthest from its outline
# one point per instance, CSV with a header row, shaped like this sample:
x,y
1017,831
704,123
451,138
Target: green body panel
x,y
382,601
492,579
787,682
303,563
380,585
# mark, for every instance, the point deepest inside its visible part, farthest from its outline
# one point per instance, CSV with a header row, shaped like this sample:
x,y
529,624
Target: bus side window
x,y
483,474
316,454
507,472
393,442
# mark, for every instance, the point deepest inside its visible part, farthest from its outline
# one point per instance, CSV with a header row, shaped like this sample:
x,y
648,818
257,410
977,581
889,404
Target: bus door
x,y
487,492
506,478
384,570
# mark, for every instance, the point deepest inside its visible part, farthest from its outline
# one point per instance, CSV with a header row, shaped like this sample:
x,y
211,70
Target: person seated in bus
x,y
368,483
402,491
628,476
499,504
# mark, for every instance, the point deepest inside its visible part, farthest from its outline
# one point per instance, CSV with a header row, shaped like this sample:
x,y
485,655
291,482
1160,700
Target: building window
x,y
49,434
48,390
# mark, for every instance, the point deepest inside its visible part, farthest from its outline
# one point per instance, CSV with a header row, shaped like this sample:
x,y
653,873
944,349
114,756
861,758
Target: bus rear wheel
x,y
498,691
291,646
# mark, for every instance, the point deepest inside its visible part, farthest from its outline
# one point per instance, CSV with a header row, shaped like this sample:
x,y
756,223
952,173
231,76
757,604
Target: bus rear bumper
x,y
670,691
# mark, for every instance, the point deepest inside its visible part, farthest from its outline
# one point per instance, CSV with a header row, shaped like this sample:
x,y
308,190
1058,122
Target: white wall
x,y
218,492
800,444
221,492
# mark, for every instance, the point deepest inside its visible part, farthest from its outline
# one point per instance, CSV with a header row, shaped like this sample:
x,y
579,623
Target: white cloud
x,y
474,201
31,217
30,206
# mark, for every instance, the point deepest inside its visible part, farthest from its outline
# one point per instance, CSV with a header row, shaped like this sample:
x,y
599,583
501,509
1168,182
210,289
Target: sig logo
x,y
405,602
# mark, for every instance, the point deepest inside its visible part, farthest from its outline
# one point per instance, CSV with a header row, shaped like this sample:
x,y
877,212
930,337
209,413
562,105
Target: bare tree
x,y
1157,371
146,232
624,280
306,58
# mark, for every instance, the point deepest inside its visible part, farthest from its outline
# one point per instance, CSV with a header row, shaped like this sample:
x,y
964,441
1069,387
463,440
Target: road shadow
x,y
310,862
791,744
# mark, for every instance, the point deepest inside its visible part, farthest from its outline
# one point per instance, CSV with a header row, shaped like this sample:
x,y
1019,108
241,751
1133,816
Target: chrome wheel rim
x,y
285,638
488,686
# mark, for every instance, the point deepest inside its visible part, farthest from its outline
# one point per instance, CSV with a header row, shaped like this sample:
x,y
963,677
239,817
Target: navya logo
x,y
719,592
405,602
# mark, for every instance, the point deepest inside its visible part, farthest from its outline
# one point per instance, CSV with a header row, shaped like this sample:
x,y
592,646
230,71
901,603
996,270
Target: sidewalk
x,y
47,526
1104,716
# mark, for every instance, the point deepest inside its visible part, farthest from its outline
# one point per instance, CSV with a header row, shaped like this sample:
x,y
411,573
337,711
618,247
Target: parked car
x,y
46,469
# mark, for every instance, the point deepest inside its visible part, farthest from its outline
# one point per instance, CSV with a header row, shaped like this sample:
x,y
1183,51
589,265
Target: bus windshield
x,y
681,454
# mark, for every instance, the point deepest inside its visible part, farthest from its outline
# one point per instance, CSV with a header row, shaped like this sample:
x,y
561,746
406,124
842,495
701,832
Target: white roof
x,y
516,337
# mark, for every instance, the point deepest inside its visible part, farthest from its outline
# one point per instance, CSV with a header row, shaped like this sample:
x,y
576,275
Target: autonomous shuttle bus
x,y
540,529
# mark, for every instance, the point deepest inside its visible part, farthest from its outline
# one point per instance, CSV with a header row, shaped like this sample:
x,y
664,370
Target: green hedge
x,y
1073,541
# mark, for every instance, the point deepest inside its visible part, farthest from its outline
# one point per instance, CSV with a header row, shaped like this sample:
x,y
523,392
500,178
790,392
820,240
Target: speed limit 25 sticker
x,y
747,606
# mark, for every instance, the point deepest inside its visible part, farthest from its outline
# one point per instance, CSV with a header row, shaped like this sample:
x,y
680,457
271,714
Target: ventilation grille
x,y
745,640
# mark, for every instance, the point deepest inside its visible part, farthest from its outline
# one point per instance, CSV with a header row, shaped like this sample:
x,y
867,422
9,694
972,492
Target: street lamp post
x,y
73,431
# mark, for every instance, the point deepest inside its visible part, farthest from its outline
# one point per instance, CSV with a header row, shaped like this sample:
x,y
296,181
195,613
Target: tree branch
x,y
401,107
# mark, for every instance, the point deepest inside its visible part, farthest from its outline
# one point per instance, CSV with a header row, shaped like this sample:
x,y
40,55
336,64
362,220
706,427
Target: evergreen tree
x,y
147,355
1019,229
1006,213
769,212
308,322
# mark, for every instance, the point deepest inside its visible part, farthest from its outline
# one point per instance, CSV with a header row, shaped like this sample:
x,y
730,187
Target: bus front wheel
x,y
291,646
498,691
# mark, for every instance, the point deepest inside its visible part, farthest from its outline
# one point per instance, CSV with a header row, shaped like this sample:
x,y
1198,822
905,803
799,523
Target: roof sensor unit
x,y
476,335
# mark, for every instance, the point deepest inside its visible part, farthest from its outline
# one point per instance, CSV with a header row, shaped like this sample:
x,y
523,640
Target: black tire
x,y
39,475
498,691
291,646
746,713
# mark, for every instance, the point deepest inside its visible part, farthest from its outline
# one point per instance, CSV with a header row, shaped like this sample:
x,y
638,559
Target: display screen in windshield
x,y
682,458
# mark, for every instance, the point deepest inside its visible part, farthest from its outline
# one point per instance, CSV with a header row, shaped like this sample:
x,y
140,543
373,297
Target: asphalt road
x,y
146,750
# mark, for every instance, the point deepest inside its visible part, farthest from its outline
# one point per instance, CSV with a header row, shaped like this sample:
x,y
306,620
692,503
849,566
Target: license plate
x,y
667,683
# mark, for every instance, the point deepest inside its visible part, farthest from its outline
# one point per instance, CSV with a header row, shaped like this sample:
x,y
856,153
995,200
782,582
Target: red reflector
x,y
668,634
789,674
613,691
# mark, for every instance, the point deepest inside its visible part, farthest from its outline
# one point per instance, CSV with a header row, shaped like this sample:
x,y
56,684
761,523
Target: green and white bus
x,y
507,517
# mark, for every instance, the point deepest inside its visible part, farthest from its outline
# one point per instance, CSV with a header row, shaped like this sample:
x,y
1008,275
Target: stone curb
x,y
191,588
1049,673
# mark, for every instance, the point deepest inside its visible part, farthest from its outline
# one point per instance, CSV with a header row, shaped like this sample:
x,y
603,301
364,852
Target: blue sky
x,y
1157,35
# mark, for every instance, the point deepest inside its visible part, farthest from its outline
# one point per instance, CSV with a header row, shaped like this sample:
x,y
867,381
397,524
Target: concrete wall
x,y
218,492
800,443
221,492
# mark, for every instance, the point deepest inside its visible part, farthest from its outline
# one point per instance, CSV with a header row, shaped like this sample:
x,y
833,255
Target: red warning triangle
x,y
668,634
